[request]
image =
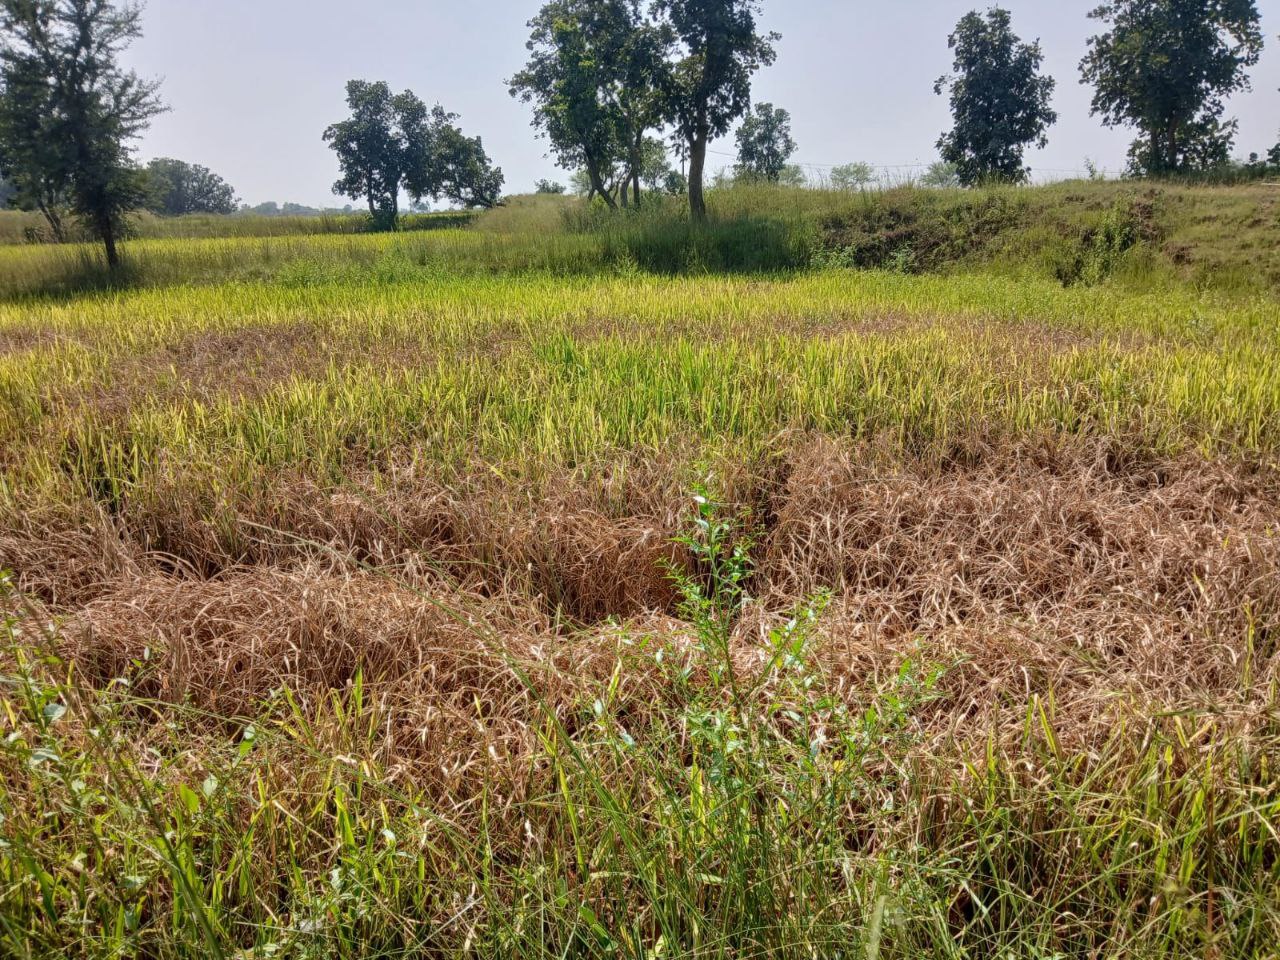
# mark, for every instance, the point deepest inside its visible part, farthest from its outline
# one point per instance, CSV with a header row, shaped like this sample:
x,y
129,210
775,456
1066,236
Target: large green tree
x,y
597,77
35,164
380,146
999,100
722,48
456,167
69,111
392,144
1166,67
765,143
175,188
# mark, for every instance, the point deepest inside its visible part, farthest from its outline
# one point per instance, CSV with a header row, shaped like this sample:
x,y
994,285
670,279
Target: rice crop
x,y
454,594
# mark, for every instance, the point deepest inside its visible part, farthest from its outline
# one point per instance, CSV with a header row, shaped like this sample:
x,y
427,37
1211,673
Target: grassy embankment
x,y
362,604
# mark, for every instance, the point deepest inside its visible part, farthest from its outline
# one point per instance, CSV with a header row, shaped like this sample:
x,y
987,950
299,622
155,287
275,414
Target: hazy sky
x,y
253,83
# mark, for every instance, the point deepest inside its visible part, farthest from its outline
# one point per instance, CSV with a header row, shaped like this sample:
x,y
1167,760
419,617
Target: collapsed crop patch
x,y
1028,569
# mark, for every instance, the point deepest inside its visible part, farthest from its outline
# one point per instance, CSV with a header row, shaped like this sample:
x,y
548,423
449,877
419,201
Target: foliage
x,y
853,176
765,144
549,187
1101,249
793,175
999,100
941,174
655,167
456,167
380,147
675,183
69,111
271,208
721,49
34,164
1167,67
393,144
175,188
596,77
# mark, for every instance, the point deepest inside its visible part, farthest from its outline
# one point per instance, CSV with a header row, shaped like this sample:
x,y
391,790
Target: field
x,y
886,575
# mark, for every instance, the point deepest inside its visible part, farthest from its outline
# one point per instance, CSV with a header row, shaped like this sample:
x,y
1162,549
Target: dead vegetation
x,y
1048,569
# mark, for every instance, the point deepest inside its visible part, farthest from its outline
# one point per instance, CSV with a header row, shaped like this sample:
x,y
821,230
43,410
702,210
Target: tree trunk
x,y
597,184
632,181
697,166
109,242
54,219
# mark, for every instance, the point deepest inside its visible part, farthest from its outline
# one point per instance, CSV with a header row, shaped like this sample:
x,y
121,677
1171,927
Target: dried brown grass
x,y
1110,587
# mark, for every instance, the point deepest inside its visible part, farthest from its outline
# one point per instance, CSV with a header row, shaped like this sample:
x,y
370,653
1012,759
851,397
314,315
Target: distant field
x,y
867,576
19,227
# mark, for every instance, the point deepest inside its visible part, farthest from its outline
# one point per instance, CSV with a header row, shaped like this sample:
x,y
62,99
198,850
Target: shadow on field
x,y
620,245
748,245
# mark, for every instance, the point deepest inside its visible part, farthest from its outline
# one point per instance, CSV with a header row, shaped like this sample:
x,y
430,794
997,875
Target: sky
x,y
252,84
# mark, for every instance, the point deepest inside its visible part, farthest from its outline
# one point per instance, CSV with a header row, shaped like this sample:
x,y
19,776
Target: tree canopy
x,y
597,77
722,48
69,111
765,143
853,176
1166,68
393,144
379,147
999,100
940,174
175,188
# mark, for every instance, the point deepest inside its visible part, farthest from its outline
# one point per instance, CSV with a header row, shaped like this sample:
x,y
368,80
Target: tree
x,y
638,49
764,143
941,175
999,100
456,167
1166,68
710,87
561,81
379,147
655,166
69,111
34,164
580,184
597,78
549,187
393,144
853,176
175,188
793,175
675,184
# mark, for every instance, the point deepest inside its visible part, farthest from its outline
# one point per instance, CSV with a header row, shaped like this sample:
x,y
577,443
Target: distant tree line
x,y
608,78
616,88
174,188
